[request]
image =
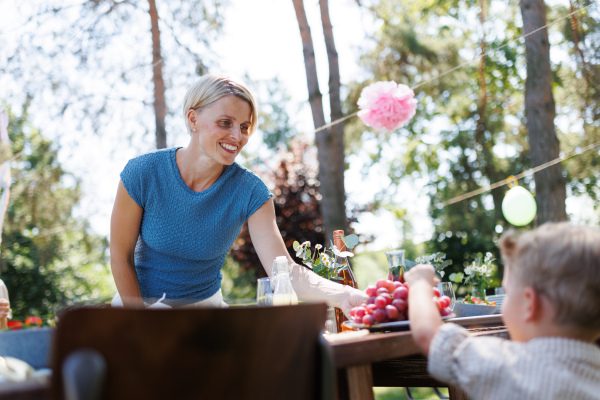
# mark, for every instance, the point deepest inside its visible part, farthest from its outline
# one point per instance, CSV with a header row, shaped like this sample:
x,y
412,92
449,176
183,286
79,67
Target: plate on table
x,y
473,310
395,326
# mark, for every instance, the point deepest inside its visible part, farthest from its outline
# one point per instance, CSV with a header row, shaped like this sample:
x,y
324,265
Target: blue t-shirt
x,y
185,235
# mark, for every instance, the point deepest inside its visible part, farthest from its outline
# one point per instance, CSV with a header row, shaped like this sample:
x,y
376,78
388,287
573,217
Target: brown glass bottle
x,y
346,275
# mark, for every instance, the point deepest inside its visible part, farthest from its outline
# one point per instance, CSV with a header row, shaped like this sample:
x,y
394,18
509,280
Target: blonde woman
x,y
178,211
5,312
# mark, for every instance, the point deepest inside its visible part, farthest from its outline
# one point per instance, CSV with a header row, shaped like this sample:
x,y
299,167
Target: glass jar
x,y
396,266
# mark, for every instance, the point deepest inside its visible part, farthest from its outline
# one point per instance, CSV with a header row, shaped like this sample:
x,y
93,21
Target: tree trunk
x,y
540,112
330,205
160,106
335,104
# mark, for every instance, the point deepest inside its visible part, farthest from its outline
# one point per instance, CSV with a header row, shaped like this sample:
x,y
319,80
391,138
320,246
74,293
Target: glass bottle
x,y
346,275
283,291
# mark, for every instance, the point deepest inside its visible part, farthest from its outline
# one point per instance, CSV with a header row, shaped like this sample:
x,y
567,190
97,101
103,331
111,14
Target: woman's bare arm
x,y
124,231
308,285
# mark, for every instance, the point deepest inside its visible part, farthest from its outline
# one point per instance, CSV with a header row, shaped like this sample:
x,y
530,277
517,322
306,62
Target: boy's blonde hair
x,y
562,263
210,88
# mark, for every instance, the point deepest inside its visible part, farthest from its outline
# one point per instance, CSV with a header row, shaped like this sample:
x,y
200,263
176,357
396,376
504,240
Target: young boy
x,y
552,312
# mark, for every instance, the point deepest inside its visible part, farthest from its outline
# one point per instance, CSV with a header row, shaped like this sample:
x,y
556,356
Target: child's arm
x,y
425,319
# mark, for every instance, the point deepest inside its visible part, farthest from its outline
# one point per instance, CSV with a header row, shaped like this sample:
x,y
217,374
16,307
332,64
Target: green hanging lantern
x,y
519,207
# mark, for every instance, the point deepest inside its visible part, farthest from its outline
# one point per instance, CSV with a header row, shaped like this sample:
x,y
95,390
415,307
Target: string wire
x,y
530,171
476,58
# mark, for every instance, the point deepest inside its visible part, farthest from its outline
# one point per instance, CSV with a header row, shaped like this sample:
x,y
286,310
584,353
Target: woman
x,y
5,312
178,211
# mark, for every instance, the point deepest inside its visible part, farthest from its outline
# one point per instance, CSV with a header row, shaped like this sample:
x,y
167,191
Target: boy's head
x,y
562,264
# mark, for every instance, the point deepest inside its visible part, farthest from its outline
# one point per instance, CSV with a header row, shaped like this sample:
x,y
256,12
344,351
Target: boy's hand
x,y
420,272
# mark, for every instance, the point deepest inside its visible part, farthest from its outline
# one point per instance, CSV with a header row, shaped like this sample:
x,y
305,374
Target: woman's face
x,y
223,128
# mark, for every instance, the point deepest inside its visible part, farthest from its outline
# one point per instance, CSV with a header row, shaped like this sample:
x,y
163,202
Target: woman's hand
x,y
4,308
4,311
354,298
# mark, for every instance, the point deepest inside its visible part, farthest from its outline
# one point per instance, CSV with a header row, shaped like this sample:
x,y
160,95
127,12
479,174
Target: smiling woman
x,y
178,211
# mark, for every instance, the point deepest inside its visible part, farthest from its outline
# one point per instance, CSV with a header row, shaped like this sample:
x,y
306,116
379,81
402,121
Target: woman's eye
x,y
245,128
224,123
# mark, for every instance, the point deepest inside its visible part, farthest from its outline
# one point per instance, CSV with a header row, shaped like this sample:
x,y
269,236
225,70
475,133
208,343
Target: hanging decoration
x,y
386,105
519,206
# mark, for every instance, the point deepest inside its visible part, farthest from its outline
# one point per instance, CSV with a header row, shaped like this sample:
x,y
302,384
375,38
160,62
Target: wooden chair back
x,y
232,353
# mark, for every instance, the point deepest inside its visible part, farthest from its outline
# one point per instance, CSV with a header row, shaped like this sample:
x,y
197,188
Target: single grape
x,y
371,291
368,320
380,302
382,290
379,314
353,311
392,312
436,292
381,283
357,320
390,286
399,304
360,311
371,308
397,285
445,312
387,297
371,300
401,293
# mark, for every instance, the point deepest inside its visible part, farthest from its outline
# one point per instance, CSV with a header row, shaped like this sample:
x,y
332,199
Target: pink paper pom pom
x,y
386,105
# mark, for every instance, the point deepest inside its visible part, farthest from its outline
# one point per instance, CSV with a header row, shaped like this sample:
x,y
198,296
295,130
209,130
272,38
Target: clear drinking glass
x,y
264,292
446,289
395,264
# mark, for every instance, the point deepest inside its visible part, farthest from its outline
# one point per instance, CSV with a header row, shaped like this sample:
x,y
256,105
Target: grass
x,y
386,393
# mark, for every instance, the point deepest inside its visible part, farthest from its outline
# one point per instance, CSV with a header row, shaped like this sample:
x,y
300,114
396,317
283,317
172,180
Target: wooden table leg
x,y
456,393
360,382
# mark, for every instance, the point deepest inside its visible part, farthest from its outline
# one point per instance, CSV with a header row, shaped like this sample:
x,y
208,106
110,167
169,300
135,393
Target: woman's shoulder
x,y
149,161
244,174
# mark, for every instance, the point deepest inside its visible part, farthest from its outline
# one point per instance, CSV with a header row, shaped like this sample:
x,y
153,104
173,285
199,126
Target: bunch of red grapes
x,y
388,302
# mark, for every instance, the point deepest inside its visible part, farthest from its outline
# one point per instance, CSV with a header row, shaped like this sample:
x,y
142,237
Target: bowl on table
x,y
472,310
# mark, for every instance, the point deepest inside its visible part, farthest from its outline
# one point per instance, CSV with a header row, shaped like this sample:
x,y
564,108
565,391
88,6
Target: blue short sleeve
x,y
132,179
260,194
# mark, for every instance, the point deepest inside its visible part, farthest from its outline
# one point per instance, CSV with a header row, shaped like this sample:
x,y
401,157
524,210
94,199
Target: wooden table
x,y
392,359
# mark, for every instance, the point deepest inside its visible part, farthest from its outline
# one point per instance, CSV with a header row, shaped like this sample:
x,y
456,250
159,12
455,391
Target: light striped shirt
x,y
493,368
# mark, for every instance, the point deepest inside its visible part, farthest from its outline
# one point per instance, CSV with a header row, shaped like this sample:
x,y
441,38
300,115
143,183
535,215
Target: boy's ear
x,y
531,304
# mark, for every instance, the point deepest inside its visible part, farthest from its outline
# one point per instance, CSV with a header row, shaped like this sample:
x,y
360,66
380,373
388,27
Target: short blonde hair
x,y
562,263
210,88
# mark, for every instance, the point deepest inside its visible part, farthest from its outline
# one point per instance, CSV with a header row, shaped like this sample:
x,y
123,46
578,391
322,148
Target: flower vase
x,y
478,291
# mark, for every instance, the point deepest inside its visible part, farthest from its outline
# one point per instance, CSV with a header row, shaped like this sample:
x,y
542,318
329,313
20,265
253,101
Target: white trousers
x,y
215,301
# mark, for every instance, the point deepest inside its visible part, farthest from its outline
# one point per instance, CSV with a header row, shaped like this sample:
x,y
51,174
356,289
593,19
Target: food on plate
x,y
388,302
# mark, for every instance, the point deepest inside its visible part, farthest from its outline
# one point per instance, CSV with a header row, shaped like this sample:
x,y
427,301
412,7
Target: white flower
x,y
339,253
318,247
306,244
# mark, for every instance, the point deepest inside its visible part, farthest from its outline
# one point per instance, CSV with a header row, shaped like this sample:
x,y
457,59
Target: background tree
x,y
330,144
550,190
49,259
86,82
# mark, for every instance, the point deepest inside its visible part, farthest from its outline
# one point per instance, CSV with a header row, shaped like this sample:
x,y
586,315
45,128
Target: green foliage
x,y
328,263
49,259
